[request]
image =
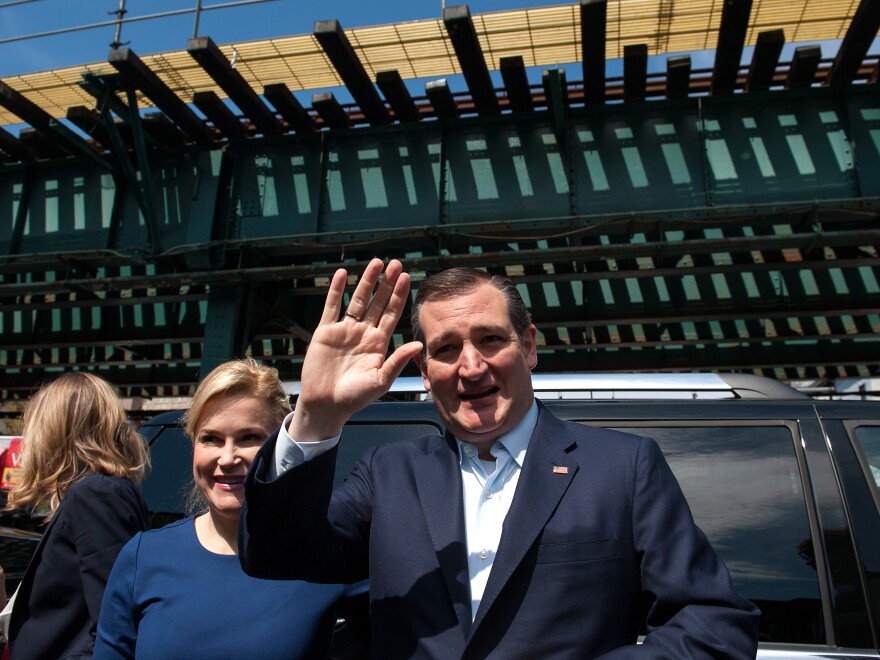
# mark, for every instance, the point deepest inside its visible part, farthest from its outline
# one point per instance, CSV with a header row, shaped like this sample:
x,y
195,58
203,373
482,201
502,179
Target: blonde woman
x,y
82,462
180,591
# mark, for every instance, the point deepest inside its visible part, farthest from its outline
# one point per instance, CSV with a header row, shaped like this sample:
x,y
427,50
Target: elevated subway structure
x,y
719,219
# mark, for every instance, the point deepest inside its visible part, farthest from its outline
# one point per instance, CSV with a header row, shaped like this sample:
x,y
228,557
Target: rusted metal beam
x,y
516,84
290,109
398,96
858,39
441,99
219,114
728,50
138,75
635,72
330,110
339,51
204,51
460,28
765,59
593,20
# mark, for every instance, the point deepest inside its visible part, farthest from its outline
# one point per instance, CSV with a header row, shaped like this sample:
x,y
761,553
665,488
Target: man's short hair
x,y
454,282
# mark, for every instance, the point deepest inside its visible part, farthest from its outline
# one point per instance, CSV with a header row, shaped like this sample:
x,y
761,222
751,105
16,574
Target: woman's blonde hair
x,y
234,378
73,427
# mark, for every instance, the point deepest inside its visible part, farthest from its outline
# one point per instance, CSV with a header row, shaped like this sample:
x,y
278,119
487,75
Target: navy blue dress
x,y
168,597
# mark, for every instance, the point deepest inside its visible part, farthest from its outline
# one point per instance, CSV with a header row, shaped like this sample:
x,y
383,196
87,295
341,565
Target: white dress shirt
x,y
488,488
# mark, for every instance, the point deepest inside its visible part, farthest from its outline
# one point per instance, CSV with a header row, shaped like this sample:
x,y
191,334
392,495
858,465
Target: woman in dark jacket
x,y
81,464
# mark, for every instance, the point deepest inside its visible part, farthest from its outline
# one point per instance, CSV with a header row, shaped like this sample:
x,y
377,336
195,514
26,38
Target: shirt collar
x,y
515,441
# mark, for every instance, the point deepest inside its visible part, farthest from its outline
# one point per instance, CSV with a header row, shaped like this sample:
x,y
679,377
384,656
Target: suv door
x,y
761,483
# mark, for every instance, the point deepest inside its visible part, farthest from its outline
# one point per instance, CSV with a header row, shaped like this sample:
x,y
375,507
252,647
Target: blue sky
x,y
260,20
255,21
274,18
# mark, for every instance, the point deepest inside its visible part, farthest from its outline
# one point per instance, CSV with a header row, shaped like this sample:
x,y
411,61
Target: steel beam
x,y
678,76
219,114
38,143
82,147
441,99
728,50
463,35
138,75
161,130
290,109
331,112
40,120
204,51
89,121
516,84
21,214
11,145
635,72
339,51
786,253
765,59
393,88
859,36
804,65
593,19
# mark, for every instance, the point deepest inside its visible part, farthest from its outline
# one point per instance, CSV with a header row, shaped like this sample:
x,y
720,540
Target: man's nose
x,y
471,364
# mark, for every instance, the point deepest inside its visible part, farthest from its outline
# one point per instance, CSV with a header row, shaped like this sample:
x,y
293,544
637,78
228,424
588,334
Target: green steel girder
x,y
727,233
21,210
769,358
679,159
665,256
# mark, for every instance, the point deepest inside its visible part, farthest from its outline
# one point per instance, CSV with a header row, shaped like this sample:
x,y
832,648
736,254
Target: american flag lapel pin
x,y
560,469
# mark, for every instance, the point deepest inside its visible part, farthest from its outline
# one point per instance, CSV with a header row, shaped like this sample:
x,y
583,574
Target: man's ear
x,y
530,346
423,369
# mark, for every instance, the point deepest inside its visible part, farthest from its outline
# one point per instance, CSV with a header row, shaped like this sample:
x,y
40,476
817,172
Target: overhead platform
x,y
160,214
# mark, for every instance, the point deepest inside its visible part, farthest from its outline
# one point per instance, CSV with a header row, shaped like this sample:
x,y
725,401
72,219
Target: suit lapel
x,y
538,492
438,479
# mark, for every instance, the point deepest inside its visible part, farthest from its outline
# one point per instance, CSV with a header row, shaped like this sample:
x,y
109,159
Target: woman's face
x,y
230,432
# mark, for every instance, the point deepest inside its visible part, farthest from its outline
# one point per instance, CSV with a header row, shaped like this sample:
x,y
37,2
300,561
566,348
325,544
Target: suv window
x,y
745,492
166,487
868,438
357,437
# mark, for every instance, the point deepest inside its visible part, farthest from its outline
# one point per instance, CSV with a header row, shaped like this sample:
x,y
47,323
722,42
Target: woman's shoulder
x,y
102,498
153,541
176,530
101,483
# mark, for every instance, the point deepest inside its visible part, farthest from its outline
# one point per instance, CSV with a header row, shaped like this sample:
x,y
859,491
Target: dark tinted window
x,y
170,476
744,489
356,437
869,440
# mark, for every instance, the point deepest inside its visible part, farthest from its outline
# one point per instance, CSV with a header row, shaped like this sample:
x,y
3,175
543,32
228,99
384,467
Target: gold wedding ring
x,y
353,316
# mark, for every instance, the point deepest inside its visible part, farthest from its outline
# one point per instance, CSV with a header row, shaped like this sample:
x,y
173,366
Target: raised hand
x,y
345,367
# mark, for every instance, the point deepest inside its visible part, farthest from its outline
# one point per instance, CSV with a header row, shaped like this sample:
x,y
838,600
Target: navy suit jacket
x,y
55,614
586,555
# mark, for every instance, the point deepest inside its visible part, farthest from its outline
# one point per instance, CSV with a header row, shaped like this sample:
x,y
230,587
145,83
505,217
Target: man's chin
x,y
476,434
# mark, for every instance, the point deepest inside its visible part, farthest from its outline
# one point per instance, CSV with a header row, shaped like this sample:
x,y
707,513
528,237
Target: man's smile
x,y
474,396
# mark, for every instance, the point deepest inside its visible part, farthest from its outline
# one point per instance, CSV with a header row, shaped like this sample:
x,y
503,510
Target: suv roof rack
x,y
624,386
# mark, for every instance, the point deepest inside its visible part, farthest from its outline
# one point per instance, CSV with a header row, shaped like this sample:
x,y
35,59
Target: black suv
x,y
787,488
